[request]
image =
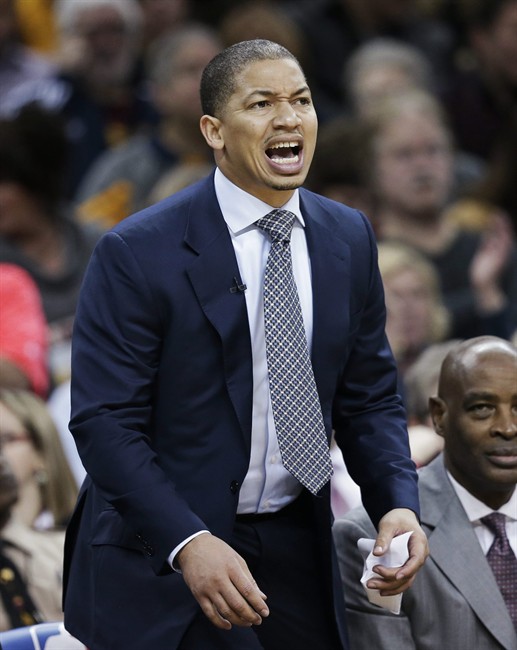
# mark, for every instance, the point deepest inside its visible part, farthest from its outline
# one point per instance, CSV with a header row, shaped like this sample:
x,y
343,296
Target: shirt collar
x,y
241,210
476,509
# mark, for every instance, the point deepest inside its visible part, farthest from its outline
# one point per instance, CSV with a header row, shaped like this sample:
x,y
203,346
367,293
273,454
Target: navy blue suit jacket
x,y
162,401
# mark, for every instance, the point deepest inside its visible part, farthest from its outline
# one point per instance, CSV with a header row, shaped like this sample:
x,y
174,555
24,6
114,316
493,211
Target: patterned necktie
x,y
503,562
296,408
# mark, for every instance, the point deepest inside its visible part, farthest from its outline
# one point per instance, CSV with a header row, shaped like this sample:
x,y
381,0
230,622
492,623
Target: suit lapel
x,y
463,561
330,268
212,273
212,276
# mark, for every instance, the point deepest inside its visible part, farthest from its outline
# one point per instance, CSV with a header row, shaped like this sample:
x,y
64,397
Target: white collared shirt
x,y
476,509
268,486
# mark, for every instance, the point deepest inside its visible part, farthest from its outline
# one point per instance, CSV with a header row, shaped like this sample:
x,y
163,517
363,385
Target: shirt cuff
x,y
178,548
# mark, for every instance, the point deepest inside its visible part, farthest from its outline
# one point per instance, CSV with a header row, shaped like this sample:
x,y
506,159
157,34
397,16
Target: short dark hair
x,y
218,81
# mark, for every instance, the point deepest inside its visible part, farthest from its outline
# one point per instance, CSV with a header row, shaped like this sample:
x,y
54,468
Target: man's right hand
x,y
221,583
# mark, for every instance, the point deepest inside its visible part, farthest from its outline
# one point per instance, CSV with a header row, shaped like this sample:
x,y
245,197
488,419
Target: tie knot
x,y
496,522
278,224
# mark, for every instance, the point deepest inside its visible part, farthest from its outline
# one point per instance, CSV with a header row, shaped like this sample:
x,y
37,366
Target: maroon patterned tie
x,y
503,562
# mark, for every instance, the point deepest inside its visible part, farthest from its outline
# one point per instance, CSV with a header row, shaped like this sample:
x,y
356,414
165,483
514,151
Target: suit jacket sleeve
x,y
369,626
116,350
368,415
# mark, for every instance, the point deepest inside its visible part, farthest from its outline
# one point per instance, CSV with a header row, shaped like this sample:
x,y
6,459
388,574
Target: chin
x,y
287,185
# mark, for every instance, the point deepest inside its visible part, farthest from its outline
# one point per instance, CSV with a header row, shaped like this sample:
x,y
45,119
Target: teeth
x,y
281,145
285,161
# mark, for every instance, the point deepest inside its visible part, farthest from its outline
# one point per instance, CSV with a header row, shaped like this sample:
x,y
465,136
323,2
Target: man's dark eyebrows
x,y
264,92
479,396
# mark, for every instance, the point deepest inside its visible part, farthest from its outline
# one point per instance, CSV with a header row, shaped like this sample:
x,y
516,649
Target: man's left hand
x,y
396,580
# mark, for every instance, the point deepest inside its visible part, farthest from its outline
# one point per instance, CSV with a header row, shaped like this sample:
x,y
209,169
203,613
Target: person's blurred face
x,y
413,165
109,47
376,84
264,139
478,420
409,306
17,448
180,97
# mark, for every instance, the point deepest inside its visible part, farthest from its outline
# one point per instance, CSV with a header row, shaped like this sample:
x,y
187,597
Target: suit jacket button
x,y
234,487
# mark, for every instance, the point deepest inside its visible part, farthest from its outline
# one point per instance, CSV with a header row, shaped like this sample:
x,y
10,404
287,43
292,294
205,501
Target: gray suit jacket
x,y
454,604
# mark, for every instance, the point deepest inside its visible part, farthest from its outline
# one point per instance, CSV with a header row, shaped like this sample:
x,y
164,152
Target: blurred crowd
x,y
99,117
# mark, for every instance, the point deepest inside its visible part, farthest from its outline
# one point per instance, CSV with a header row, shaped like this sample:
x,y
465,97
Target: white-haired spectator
x,y
383,67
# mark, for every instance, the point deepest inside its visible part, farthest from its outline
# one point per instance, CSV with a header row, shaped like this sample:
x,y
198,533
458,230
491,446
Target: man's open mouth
x,y
284,152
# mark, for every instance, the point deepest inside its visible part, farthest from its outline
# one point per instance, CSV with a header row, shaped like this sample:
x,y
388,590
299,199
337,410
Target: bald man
x,y
455,601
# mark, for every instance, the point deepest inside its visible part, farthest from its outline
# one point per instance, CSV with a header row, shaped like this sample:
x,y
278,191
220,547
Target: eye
x,y
263,103
303,101
481,410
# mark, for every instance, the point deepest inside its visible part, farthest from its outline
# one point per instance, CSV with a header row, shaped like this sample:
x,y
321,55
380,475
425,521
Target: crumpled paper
x,y
395,556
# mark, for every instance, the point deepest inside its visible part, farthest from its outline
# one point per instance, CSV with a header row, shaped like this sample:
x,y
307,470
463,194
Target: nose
x,y
506,424
286,115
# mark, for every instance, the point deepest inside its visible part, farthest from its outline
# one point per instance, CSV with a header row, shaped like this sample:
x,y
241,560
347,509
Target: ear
x,y
437,410
211,128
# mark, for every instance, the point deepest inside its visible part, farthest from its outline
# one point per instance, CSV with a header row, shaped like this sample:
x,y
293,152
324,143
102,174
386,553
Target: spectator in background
x,y
120,181
266,19
337,171
37,231
496,192
416,320
381,69
19,64
409,161
456,600
420,381
98,87
23,333
30,560
99,50
99,59
334,29
416,316
32,446
161,17
499,188
482,100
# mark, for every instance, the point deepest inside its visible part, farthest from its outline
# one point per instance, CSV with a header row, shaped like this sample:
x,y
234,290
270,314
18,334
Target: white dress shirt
x,y
476,509
267,486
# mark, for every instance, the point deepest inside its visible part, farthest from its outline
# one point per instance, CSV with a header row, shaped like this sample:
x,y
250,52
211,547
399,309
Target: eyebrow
x,y
264,92
480,396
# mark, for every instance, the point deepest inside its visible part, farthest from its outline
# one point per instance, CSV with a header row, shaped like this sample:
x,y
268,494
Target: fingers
x,y
396,580
230,607
237,601
221,582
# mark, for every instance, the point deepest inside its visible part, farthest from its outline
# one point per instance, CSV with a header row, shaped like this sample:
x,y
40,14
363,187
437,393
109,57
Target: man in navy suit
x,y
189,532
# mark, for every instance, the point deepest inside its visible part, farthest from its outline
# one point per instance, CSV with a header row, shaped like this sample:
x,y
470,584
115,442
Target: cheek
x,y
466,442
391,178
21,461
